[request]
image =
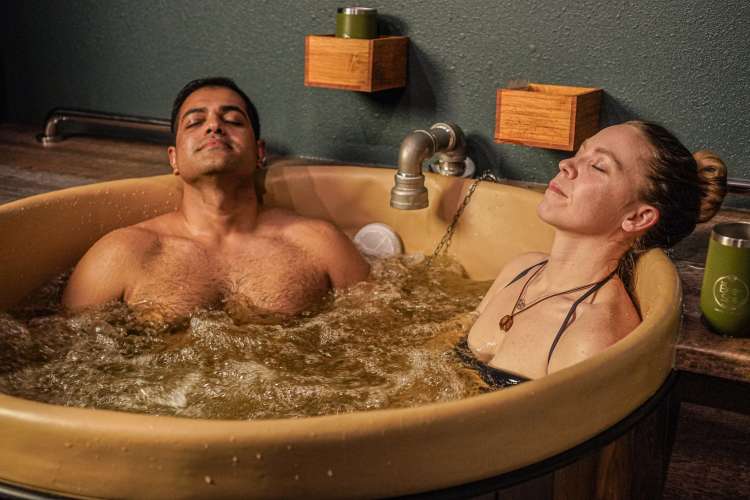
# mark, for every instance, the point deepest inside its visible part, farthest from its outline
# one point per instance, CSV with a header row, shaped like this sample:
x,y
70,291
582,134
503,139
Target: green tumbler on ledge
x,y
725,293
356,22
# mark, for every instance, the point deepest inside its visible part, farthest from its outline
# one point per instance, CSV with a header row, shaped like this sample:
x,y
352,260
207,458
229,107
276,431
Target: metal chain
x,y
448,236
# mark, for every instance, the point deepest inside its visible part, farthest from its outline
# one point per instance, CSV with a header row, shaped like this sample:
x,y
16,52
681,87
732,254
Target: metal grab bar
x,y
58,116
738,186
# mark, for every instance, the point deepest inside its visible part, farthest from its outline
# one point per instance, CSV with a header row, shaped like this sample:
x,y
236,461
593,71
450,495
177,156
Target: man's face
x,y
213,136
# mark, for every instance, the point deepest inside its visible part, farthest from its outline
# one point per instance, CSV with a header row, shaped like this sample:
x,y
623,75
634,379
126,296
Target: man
x,y
220,247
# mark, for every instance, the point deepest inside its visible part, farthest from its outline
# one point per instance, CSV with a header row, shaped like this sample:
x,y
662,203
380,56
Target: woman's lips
x,y
555,189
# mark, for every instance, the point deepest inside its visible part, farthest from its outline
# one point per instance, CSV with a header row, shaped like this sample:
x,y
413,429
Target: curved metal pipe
x,y
58,116
409,192
738,186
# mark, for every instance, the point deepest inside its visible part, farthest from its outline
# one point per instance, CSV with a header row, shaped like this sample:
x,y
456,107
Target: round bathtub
x,y
96,453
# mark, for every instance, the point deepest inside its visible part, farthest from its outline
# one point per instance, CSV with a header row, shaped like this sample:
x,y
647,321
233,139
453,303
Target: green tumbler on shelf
x,y
356,22
725,294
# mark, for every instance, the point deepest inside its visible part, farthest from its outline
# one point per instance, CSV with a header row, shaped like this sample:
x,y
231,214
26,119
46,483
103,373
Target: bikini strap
x,y
571,312
524,273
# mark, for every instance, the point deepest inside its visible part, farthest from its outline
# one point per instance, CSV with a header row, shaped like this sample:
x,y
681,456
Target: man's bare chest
x,y
269,274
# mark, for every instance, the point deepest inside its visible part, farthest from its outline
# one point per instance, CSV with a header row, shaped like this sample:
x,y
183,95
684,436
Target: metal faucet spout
x,y
409,191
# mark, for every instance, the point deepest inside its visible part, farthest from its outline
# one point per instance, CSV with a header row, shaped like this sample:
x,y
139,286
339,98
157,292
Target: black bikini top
x,y
497,378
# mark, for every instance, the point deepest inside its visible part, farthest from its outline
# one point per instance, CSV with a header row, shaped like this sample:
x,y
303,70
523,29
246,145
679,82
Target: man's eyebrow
x,y
223,109
193,110
231,107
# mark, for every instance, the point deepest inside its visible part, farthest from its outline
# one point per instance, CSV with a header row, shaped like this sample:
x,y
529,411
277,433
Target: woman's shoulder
x,y
510,270
521,263
599,324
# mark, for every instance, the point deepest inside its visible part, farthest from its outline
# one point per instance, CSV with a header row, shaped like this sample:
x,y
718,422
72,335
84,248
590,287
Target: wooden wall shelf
x,y
547,116
355,64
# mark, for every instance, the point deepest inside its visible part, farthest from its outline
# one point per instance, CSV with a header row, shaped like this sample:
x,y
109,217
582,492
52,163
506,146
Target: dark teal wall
x,y
684,63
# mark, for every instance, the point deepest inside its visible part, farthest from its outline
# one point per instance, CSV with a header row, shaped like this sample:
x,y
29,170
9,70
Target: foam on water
x,y
386,342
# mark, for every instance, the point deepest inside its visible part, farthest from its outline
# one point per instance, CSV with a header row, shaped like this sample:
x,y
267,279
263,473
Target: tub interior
x,y
363,454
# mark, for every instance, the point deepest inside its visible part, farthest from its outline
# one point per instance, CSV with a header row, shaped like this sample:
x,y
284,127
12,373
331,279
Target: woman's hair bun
x,y
713,177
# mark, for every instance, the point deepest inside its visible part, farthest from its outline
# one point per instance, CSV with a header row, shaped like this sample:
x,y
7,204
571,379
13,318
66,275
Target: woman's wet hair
x,y
685,188
215,81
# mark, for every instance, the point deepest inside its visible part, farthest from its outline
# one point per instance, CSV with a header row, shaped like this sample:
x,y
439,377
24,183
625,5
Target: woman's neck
x,y
576,260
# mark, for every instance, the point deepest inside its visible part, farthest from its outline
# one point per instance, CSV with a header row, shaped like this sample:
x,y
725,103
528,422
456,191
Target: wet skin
x,y
593,204
220,247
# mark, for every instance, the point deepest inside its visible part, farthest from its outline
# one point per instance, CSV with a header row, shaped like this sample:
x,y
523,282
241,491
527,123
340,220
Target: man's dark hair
x,y
215,81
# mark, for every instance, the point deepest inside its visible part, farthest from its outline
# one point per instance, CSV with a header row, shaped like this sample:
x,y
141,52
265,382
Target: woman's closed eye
x,y
599,167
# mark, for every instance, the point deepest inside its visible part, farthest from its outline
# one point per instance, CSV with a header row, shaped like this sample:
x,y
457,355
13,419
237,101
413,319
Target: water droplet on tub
x,y
235,460
258,456
208,479
330,473
296,477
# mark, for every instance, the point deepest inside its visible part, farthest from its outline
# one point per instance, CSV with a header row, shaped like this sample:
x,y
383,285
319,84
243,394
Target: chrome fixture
x,y
738,186
445,139
58,116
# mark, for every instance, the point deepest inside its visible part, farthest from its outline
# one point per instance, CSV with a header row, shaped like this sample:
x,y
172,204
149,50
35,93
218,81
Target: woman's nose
x,y
567,167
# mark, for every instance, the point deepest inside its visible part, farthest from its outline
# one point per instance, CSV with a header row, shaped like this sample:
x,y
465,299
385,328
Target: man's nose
x,y
213,124
567,167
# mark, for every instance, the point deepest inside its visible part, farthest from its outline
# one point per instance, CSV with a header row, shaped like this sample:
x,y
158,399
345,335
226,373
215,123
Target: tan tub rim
x,y
377,453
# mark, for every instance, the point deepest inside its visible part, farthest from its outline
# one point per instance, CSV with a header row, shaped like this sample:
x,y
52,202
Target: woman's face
x,y
596,191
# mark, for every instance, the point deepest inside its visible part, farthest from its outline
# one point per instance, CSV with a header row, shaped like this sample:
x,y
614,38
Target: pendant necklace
x,y
506,322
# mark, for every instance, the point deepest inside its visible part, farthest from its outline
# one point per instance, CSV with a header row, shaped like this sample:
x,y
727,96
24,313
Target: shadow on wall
x,y
418,95
391,26
485,155
614,111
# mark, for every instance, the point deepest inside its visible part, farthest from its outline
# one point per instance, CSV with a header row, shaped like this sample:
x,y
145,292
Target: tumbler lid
x,y
357,11
732,234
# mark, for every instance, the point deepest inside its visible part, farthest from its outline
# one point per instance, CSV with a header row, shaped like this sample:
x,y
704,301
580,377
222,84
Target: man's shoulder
x,y
127,242
288,223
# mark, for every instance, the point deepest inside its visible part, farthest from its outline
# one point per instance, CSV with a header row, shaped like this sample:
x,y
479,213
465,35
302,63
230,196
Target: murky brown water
x,y
387,342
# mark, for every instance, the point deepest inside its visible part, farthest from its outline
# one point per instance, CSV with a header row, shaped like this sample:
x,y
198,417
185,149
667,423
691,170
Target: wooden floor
x,y
711,455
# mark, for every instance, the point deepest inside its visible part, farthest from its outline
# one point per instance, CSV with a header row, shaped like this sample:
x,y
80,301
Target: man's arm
x,y
340,258
344,263
102,273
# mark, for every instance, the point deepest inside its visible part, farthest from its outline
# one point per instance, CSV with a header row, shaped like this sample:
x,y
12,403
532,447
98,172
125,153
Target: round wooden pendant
x,y
506,322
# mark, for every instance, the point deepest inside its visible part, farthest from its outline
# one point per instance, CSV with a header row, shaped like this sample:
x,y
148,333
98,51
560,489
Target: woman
x,y
629,188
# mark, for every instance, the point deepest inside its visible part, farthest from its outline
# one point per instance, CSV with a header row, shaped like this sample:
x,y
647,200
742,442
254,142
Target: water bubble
x,y
208,479
259,456
330,473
